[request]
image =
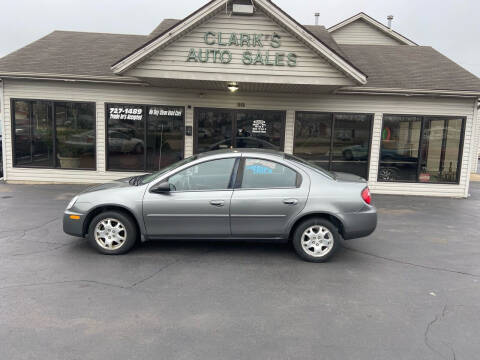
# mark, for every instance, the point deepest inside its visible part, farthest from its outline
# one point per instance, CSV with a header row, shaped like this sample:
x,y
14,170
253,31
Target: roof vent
x,y
317,16
390,18
242,9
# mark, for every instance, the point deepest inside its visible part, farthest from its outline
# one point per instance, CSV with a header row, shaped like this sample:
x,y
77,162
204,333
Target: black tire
x,y
131,232
297,239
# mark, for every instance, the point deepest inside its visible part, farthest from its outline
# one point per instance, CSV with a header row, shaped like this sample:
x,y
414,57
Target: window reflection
x,y
72,139
338,142
399,148
431,156
144,138
218,129
75,130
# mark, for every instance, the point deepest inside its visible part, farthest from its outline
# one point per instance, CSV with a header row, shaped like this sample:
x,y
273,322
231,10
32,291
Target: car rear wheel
x,y
112,233
316,240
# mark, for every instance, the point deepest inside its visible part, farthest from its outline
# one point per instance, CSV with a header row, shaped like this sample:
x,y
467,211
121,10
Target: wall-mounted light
x,y
233,86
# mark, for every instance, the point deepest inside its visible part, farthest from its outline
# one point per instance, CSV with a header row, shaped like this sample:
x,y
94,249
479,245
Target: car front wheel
x,y
112,233
316,240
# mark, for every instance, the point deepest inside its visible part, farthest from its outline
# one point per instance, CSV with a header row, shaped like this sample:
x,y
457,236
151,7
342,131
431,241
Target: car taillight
x,y
366,196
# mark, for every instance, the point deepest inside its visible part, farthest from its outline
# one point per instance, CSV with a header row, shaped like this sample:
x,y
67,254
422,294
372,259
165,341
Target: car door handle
x,y
290,201
217,202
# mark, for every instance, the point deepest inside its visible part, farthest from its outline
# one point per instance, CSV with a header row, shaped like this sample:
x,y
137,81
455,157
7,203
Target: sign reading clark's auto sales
x,y
260,49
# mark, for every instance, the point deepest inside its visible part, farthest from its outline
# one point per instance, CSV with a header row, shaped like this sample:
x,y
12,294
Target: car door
x,y
198,204
266,197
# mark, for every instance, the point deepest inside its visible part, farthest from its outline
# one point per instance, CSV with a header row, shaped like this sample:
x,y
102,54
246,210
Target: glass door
x,y
217,129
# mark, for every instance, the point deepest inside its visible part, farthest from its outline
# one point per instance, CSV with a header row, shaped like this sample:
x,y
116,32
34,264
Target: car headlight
x,y
72,202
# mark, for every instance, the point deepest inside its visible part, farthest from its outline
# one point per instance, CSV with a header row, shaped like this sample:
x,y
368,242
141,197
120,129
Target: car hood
x,y
110,185
345,177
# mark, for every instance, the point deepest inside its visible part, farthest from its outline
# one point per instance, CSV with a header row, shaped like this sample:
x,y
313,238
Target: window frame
x,y
52,104
241,169
332,124
423,119
145,129
233,174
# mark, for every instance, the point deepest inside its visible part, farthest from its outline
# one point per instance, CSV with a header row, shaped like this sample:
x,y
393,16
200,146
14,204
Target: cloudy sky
x,y
450,26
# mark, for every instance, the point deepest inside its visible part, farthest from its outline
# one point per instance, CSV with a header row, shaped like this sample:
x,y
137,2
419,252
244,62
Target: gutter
x,y
74,78
405,92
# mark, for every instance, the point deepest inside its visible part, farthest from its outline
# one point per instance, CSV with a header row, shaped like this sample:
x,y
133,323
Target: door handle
x,y
290,201
217,202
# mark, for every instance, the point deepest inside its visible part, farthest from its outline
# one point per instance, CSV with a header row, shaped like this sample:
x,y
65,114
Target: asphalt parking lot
x,y
409,291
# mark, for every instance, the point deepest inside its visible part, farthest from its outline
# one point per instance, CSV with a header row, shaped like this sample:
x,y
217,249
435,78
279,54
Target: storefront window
x,y
75,129
410,154
144,138
338,142
399,148
223,129
351,143
41,140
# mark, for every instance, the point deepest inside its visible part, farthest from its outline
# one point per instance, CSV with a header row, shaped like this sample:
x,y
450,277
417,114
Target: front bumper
x,y
359,224
73,223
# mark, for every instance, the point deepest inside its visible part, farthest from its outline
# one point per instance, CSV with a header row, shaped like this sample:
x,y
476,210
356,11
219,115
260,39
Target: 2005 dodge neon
x,y
227,194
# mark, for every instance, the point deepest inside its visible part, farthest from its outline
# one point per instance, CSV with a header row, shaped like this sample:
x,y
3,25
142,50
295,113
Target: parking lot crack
x,y
13,286
436,320
153,274
427,267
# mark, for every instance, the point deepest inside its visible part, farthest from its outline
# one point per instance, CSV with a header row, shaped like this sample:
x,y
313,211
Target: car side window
x,y
261,174
209,175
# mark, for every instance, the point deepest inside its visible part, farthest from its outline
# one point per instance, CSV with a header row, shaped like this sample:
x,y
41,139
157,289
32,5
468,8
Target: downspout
x,y
2,121
473,144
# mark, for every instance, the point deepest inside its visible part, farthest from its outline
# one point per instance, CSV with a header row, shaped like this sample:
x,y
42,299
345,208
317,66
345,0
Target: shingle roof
x,y
92,54
410,67
73,53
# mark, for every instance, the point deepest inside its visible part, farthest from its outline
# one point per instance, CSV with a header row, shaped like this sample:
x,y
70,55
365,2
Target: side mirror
x,y
162,187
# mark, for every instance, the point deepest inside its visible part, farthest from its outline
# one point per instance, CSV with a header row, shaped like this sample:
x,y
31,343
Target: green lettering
x,y
233,40
244,39
215,55
247,58
192,55
220,42
279,59
207,55
258,58
292,59
257,40
228,56
207,40
267,58
275,43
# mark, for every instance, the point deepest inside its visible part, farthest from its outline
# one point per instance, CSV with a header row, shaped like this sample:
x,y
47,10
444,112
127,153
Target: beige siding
x,y
171,61
360,32
290,103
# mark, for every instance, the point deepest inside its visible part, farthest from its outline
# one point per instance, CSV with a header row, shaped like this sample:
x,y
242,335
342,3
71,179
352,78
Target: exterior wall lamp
x,y
233,87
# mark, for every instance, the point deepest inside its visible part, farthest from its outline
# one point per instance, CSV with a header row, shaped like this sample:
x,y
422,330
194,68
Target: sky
x,y
450,26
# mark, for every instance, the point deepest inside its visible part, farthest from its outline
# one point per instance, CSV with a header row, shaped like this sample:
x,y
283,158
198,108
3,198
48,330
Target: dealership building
x,y
80,107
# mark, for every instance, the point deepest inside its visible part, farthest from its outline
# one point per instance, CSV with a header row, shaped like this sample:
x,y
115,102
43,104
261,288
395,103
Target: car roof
x,y
249,151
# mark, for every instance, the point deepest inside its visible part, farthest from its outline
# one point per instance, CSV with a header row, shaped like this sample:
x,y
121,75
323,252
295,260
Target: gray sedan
x,y
230,195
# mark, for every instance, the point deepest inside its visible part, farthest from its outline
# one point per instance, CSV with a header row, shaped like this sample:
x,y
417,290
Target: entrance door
x,y
217,129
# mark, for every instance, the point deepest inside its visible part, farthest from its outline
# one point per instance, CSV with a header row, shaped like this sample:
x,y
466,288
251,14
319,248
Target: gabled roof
x,y
194,19
410,67
377,24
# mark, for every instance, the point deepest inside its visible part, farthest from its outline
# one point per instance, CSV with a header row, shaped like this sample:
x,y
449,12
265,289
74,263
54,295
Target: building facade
x,y
358,97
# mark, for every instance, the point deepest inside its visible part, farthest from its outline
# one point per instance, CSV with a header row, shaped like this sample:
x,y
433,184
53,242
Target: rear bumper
x,y
71,226
359,224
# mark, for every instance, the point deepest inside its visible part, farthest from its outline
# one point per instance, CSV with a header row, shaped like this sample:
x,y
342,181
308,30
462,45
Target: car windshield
x,y
311,165
150,177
